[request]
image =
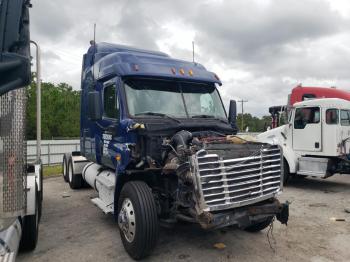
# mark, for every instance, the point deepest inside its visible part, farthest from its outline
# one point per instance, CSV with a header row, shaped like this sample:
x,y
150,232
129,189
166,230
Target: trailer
x,y
158,147
316,139
21,182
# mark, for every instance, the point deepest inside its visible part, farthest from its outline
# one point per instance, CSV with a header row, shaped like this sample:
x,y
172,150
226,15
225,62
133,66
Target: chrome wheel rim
x,y
126,220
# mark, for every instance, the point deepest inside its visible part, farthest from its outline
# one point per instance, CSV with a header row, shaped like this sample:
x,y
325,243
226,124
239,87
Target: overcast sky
x,y
259,48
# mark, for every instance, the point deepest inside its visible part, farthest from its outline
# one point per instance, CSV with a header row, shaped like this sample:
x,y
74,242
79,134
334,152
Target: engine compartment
x,y
196,175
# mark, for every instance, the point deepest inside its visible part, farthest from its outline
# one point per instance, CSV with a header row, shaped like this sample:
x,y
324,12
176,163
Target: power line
x,y
242,102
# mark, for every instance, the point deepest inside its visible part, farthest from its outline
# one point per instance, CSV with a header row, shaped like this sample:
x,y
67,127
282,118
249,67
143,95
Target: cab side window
x,y
345,117
110,102
332,116
305,116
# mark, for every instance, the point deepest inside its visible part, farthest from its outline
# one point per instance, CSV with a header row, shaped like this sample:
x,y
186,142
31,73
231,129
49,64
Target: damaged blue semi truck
x,y
158,147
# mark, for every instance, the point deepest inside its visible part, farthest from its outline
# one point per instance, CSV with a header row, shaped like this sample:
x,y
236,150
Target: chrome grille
x,y
12,153
228,183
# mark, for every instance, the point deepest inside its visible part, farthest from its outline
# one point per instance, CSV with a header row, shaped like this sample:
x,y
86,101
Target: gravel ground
x,y
73,229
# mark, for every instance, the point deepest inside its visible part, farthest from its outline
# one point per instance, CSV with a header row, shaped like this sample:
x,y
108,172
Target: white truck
x,y
316,139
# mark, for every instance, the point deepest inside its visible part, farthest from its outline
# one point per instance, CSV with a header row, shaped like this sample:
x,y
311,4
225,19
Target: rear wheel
x,y
137,219
259,226
75,180
65,167
30,227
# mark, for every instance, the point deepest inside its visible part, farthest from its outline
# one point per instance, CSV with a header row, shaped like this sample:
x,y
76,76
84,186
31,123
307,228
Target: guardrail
x,y
52,150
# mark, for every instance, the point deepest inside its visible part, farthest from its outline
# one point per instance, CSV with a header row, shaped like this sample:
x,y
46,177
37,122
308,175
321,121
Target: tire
x,y
41,193
286,172
65,167
301,176
259,226
75,180
143,213
30,228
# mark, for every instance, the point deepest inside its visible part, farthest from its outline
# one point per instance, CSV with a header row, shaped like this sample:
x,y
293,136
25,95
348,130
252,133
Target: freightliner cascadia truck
x,y
157,146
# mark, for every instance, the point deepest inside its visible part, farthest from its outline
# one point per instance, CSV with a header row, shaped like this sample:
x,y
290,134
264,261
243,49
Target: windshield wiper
x,y
157,114
209,116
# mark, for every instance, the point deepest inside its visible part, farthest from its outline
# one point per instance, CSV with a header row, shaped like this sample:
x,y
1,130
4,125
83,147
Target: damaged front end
x,y
226,180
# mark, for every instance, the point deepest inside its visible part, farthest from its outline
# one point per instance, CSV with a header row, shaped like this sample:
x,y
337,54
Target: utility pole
x,y
193,51
242,102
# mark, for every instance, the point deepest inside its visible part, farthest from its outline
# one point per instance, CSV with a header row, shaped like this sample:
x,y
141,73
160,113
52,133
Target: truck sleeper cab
x,y
156,145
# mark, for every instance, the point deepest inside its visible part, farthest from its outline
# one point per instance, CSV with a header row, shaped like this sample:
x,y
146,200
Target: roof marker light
x,y
182,72
190,72
173,70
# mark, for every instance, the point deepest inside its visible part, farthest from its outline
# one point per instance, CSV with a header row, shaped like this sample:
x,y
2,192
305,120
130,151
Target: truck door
x,y
344,131
110,121
307,129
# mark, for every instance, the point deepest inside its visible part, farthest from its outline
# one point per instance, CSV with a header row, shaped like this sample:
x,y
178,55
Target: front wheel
x,y
259,226
137,219
286,172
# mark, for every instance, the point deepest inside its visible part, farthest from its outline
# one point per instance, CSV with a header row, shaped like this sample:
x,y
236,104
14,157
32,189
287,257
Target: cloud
x,y
259,48
50,55
141,29
50,19
253,34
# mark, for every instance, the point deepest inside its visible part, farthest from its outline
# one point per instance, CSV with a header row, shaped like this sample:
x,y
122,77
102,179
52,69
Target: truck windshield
x,y
181,100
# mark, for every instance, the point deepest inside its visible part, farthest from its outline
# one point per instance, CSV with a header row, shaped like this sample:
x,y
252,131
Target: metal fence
x,y
52,150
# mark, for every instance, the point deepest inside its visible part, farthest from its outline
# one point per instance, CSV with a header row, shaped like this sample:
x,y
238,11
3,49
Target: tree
x,y
254,123
60,109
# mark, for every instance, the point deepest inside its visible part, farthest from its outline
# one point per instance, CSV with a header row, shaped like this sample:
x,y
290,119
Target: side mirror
x,y
14,71
94,106
14,45
232,113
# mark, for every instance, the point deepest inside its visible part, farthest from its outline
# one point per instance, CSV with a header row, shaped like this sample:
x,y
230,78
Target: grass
x,y
50,171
